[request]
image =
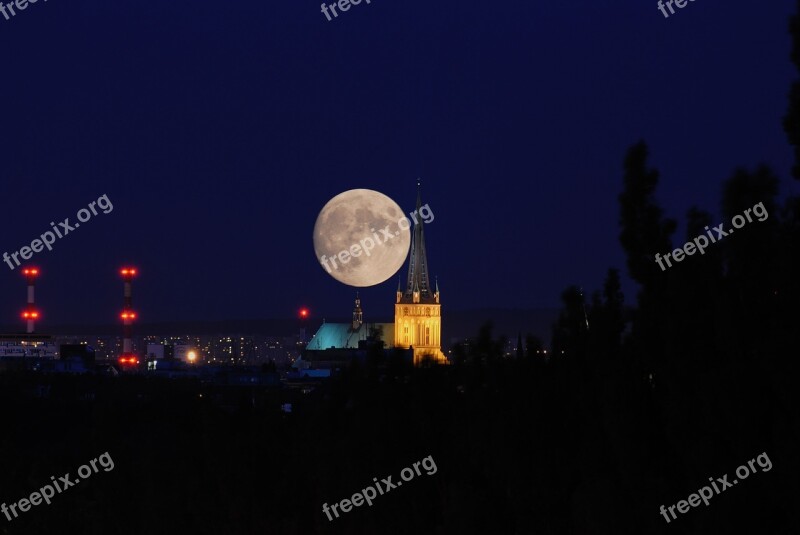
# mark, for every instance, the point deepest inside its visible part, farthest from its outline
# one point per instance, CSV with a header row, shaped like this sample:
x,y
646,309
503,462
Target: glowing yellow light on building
x,y
192,356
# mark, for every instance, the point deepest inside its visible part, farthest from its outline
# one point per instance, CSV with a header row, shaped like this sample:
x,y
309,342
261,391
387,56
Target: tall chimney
x,y
30,314
128,315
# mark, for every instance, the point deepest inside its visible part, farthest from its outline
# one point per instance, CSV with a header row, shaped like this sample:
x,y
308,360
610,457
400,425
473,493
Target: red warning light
x,y
303,313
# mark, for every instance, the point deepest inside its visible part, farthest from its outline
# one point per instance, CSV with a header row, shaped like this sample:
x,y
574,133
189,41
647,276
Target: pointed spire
x,y
399,289
358,314
418,281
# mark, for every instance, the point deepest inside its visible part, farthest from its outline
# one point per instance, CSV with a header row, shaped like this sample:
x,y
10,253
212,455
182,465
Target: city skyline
x,y
215,197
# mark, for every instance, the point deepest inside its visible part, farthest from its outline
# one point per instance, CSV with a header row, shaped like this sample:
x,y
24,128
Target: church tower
x,y
417,311
358,314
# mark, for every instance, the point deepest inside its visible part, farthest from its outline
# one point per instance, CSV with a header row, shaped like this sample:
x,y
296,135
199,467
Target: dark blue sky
x,y
218,131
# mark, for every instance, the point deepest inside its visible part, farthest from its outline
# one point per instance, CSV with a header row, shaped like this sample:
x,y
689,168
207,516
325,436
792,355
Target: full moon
x,y
361,237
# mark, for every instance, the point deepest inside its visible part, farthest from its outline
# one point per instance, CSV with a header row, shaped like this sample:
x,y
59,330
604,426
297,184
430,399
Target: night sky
x,y
219,129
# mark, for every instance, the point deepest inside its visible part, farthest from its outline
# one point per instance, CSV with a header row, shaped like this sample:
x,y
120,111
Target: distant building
x,y
83,353
27,345
302,369
336,344
350,335
159,351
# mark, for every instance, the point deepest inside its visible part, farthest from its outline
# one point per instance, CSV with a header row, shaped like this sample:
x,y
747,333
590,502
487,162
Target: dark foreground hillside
x,y
519,446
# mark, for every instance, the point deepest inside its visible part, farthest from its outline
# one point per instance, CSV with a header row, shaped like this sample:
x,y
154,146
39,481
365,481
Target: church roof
x,y
342,336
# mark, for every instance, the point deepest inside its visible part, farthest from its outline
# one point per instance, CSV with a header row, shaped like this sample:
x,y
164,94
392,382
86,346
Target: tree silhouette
x,y
570,333
791,121
644,233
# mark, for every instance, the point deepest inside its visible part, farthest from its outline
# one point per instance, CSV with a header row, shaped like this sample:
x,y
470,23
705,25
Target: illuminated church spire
x,y
418,285
418,311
